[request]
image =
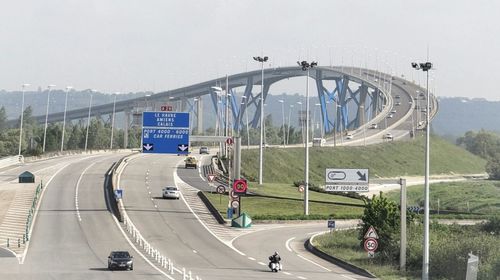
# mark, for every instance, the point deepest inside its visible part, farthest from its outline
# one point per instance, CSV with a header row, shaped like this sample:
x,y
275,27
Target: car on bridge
x,y
349,136
171,192
373,126
190,162
120,260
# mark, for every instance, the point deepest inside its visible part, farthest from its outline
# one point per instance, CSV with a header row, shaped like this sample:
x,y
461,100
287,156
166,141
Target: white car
x,y
349,136
388,136
171,192
373,126
390,116
393,111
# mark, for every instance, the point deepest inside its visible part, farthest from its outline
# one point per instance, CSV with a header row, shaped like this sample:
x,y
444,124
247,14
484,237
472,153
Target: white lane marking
x,y
76,191
261,263
348,277
177,180
252,259
301,277
304,258
311,233
129,241
287,273
287,244
25,252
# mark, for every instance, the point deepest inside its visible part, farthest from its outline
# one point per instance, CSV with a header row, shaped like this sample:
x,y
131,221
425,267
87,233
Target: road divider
x,y
137,238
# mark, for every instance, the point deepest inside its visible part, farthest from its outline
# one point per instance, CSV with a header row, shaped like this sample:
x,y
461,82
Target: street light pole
x,y
288,130
23,86
88,121
64,117
113,121
46,117
261,60
283,117
425,265
301,123
305,67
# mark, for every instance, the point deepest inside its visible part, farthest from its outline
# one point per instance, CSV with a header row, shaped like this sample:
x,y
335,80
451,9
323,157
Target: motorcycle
x,y
275,266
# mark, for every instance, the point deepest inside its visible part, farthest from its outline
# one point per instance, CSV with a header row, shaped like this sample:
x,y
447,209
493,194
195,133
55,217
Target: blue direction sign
x,y
165,132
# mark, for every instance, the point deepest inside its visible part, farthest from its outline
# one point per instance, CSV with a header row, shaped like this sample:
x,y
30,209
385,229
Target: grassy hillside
x,y
480,196
398,158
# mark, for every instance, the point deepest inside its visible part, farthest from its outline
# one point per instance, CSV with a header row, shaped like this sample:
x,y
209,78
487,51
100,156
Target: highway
x,y
74,232
170,226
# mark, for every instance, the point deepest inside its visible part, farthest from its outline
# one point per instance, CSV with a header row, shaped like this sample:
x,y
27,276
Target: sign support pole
x,y
402,252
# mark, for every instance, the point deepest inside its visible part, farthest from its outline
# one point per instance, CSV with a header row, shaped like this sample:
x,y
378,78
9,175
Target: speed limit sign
x,y
371,244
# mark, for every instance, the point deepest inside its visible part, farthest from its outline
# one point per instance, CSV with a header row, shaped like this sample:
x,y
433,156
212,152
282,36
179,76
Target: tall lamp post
x,y
113,121
300,120
426,66
46,117
305,67
68,88
261,60
288,128
282,101
88,121
23,86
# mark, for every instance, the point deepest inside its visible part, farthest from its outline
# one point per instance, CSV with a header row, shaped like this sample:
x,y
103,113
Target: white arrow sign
x,y
182,147
345,176
148,147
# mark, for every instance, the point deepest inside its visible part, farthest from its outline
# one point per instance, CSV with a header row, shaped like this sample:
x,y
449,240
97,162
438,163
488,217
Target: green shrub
x,y
383,215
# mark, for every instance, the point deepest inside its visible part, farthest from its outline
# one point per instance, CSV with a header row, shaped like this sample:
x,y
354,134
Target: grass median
x,y
284,202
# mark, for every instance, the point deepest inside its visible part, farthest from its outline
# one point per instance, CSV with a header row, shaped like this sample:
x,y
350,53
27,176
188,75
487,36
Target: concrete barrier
x,y
211,208
345,265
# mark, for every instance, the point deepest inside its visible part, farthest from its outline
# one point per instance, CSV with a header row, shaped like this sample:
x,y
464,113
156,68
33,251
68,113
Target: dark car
x,y
120,260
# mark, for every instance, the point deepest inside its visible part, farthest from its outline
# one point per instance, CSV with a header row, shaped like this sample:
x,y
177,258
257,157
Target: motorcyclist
x,y
275,259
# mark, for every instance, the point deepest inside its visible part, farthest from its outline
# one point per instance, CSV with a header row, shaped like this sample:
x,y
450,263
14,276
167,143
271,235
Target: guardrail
x,y
159,257
31,213
29,219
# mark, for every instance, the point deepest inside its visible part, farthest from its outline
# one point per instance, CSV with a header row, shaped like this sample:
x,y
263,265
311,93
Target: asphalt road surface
x,y
74,232
170,226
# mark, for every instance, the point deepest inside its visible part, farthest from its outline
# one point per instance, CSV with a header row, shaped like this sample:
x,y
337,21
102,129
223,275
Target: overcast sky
x,y
156,45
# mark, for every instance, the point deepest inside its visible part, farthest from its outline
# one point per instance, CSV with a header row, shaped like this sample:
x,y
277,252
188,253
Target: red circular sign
x,y
301,188
371,244
240,186
229,141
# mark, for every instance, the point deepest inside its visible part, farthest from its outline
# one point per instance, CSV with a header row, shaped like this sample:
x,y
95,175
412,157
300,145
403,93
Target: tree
x,y
75,138
493,167
384,216
3,119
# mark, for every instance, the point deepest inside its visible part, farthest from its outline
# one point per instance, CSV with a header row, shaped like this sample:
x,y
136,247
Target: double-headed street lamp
x,y
46,116
305,67
426,66
23,86
261,60
68,88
